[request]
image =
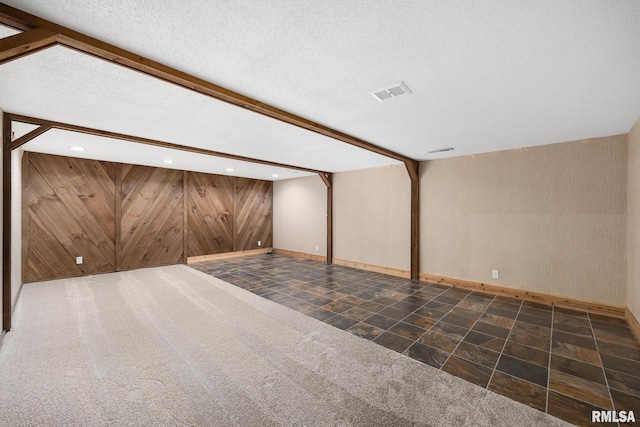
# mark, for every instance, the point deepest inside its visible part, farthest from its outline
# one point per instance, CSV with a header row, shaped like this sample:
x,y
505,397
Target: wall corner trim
x,y
523,294
633,323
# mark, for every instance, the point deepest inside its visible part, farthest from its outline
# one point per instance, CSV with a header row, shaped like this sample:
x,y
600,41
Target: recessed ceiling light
x,y
167,161
275,175
229,169
77,148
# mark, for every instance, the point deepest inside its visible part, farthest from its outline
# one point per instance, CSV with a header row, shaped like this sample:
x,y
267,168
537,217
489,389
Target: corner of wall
x,y
633,221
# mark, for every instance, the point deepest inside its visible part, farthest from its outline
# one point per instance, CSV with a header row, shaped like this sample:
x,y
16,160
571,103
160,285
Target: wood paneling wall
x,y
253,213
152,216
210,215
69,208
120,216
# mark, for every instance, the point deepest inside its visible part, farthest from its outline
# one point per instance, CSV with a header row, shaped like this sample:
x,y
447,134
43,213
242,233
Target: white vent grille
x,y
391,91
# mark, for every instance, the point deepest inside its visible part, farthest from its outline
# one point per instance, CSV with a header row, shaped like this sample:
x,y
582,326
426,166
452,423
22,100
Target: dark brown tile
x,y
381,322
373,307
576,352
489,329
418,300
340,322
531,329
530,311
433,312
629,384
615,338
393,342
350,299
439,341
357,313
518,389
608,319
406,330
622,330
529,354
494,319
577,340
478,307
395,313
446,300
576,313
625,402
570,409
506,302
405,306
484,340
337,306
579,388
477,354
537,306
498,311
578,369
457,320
522,369
366,331
467,370
321,314
425,354
572,324
608,347
420,321
540,321
454,331
627,366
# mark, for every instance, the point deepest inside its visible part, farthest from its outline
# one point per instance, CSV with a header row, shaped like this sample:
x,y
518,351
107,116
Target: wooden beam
x,y
29,136
414,175
81,42
6,223
156,143
26,43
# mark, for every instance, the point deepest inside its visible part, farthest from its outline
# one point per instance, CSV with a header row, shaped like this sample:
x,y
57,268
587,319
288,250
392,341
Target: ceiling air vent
x,y
441,150
391,91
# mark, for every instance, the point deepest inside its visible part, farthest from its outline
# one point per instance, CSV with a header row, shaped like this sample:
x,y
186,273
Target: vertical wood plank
x,y
185,220
118,216
6,223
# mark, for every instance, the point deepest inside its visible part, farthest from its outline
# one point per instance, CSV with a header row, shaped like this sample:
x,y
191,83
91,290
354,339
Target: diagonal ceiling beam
x,y
25,43
73,39
29,136
47,124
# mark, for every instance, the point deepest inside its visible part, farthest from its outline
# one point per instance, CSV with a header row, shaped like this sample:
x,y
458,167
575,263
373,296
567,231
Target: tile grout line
x,y
506,340
604,372
465,335
553,315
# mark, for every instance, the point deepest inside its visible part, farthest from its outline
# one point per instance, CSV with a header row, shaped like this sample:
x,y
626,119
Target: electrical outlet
x,y
317,248
259,243
78,260
495,274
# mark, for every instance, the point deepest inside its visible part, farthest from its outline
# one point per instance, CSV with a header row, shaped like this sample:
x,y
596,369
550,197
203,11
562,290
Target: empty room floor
x,y
560,361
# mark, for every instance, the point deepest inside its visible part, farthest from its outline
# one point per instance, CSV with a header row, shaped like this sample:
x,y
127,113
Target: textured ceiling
x,y
485,76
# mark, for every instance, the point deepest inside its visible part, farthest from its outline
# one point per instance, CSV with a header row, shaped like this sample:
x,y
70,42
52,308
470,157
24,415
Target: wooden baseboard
x,y
226,255
633,323
302,255
577,304
375,268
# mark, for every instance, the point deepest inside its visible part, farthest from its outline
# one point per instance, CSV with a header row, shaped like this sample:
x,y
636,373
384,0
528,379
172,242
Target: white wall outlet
x,y
78,260
495,274
259,243
317,248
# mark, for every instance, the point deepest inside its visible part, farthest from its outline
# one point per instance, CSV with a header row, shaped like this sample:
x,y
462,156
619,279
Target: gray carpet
x,y
174,346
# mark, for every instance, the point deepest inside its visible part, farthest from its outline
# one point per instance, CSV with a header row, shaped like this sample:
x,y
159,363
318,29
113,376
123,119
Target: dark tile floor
x,y
561,361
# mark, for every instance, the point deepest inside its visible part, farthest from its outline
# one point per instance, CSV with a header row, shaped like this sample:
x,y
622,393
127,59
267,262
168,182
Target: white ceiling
x,y
485,76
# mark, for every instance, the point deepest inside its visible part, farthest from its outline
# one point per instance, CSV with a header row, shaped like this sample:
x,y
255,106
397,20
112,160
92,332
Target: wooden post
x,y
6,223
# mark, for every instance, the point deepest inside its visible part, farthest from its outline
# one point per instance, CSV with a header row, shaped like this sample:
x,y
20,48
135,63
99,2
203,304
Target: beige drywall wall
x,y
16,224
300,215
551,219
372,216
633,222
